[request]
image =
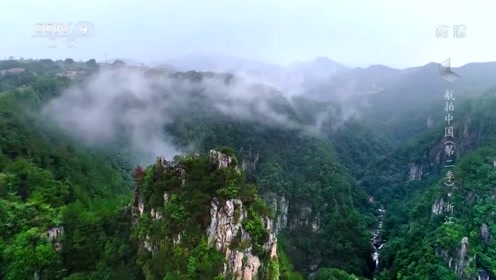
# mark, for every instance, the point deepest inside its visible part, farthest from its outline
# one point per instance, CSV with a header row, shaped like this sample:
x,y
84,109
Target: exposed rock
x,y
484,232
438,206
156,215
183,177
177,240
220,159
466,128
483,275
304,217
225,232
11,70
459,261
223,229
438,157
150,246
250,160
54,234
280,205
415,172
463,261
271,244
223,225
141,207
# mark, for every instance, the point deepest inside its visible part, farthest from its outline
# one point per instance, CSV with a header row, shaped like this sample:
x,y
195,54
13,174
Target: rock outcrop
x,y
245,256
305,216
459,259
484,233
225,227
280,205
415,173
54,235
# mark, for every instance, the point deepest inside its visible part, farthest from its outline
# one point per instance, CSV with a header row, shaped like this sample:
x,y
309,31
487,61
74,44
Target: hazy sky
x,y
353,32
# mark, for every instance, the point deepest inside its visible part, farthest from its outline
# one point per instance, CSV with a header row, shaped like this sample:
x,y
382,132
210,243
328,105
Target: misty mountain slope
x,y
407,183
413,95
146,114
356,82
303,181
473,128
313,162
401,101
355,139
425,245
292,77
59,201
287,166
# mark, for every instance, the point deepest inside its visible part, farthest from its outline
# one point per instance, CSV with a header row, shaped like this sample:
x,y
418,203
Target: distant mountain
x,y
295,75
354,83
399,98
417,81
320,67
125,60
217,63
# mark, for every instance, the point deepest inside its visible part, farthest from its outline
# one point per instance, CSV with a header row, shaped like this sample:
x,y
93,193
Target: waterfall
x,y
377,240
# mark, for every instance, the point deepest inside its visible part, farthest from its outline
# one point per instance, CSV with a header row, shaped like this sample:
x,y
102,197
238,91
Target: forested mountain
x,y
120,172
421,245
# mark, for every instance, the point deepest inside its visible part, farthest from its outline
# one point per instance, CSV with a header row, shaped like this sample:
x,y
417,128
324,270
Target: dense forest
x,y
266,187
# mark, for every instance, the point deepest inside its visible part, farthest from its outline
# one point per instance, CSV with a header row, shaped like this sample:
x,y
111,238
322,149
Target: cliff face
x,y
201,204
227,234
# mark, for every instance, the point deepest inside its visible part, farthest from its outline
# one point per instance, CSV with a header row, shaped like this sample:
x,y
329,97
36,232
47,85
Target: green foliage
x,y
254,225
28,254
419,243
286,269
47,180
333,274
179,237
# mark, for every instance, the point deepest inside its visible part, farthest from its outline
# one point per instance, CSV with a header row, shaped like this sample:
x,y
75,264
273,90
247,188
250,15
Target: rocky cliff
x,y
198,214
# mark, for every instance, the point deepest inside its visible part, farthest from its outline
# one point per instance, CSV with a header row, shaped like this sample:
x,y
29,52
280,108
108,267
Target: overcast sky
x,y
353,32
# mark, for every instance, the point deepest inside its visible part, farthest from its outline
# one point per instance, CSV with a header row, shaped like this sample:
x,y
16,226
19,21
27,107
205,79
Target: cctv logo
x,y
52,29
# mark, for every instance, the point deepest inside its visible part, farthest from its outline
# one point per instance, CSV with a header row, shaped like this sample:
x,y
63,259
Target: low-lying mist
x,y
131,106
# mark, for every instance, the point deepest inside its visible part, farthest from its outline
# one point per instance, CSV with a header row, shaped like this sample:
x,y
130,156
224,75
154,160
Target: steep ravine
x,y
377,241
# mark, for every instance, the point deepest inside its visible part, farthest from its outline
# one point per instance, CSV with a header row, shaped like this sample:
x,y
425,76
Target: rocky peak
x,y
221,160
233,226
